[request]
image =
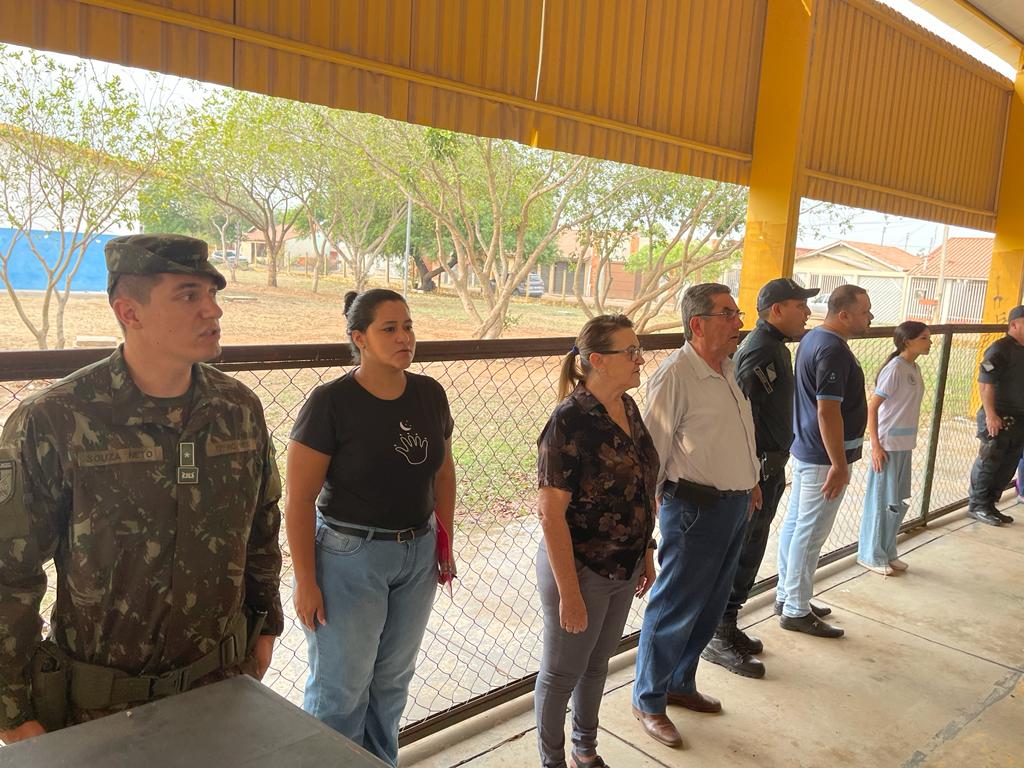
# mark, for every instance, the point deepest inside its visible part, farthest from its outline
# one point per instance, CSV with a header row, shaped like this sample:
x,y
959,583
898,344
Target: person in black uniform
x,y
1000,421
764,371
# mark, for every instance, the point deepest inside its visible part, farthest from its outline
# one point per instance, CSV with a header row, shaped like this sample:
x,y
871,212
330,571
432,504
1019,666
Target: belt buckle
x,y
179,679
403,536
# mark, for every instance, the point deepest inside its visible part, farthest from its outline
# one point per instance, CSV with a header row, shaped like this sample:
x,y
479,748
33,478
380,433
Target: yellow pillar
x,y
776,172
1006,277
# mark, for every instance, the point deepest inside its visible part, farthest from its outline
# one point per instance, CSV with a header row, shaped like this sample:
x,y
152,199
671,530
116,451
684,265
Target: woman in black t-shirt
x,y
597,468
369,465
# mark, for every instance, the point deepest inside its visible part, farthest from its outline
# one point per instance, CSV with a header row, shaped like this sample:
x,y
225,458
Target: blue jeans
x,y
807,524
378,597
1020,478
700,547
885,506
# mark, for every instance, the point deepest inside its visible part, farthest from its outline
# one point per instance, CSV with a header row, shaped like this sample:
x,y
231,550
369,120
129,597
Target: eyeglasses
x,y
634,353
728,314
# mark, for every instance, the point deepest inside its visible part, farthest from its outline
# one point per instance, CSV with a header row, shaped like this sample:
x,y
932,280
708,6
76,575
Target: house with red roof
x,y
883,270
963,271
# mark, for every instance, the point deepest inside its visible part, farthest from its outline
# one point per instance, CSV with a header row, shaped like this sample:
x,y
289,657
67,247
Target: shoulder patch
x,y
987,366
7,477
766,377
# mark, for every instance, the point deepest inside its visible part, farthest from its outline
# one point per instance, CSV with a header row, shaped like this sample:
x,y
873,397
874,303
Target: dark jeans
x,y
754,544
997,461
699,550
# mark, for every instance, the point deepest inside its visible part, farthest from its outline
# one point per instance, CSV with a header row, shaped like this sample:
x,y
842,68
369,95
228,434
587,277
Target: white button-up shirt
x,y
701,423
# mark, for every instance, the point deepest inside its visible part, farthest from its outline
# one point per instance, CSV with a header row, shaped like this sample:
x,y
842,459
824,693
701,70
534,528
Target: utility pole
x,y
940,288
408,237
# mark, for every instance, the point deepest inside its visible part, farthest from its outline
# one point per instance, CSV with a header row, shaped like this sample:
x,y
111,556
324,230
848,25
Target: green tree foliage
x,y
500,205
349,207
669,230
240,151
74,147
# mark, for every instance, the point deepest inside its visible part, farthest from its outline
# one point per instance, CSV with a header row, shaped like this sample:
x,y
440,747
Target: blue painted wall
x,y
27,274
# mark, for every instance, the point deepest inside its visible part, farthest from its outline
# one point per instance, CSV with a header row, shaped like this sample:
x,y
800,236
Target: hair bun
x,y
349,298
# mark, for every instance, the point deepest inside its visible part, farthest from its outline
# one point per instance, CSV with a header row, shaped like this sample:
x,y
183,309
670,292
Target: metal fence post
x,y
936,426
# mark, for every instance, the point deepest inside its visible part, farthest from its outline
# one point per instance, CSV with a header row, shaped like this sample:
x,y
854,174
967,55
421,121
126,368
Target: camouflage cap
x,y
158,254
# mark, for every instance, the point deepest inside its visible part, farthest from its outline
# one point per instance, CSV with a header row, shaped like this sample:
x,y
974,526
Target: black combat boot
x,y
747,643
722,650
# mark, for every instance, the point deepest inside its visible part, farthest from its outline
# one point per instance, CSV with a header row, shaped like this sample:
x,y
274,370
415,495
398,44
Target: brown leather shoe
x,y
698,702
659,728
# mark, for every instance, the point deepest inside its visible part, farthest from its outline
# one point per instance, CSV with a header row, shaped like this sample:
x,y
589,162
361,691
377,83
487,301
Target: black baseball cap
x,y
782,289
1016,313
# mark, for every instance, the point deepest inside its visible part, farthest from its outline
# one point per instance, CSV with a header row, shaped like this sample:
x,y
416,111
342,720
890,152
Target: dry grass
x,y
292,314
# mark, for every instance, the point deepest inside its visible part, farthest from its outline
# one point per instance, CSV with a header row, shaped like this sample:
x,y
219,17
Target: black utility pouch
x,y
254,627
773,463
51,675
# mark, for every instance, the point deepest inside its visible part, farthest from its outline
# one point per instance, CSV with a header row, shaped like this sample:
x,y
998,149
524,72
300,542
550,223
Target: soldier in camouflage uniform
x,y
149,478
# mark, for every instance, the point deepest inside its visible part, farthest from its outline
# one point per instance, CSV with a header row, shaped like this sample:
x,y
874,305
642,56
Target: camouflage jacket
x,y
161,517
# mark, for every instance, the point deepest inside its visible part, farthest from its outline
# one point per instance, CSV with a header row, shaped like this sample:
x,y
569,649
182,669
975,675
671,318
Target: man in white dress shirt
x,y
702,426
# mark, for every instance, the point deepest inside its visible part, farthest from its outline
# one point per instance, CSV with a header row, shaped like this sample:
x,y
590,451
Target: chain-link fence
x,y
484,642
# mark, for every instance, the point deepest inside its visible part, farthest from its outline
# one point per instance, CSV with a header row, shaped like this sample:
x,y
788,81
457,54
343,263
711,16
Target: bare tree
x,y
74,147
500,204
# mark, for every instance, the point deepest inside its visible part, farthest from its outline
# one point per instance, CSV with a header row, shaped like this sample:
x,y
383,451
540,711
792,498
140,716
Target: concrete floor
x,y
929,674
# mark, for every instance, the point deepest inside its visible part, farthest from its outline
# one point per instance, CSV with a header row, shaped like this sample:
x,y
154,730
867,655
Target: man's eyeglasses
x,y
728,314
634,353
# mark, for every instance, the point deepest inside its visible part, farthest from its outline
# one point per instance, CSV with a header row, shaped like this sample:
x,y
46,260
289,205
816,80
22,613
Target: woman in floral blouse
x,y
597,469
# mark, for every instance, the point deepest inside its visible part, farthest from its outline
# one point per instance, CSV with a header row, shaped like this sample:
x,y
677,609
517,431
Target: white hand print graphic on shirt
x,y
411,445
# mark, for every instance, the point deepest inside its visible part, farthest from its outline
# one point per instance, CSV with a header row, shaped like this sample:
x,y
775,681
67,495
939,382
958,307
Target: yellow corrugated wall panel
x,y
900,121
84,30
602,87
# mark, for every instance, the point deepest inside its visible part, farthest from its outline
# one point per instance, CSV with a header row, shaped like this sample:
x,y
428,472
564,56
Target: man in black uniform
x,y
764,371
1000,421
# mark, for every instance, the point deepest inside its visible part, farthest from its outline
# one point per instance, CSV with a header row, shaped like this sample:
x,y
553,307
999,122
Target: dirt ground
x,y
292,314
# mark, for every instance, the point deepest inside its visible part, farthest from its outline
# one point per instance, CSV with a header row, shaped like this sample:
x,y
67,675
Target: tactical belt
x,y
97,687
406,534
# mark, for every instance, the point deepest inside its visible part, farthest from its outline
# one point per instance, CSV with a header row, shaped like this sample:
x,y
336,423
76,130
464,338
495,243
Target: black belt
x,y
406,534
695,493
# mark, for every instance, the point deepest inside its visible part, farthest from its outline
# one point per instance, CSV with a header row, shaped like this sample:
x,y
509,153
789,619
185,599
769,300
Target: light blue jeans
x,y
378,597
885,506
807,525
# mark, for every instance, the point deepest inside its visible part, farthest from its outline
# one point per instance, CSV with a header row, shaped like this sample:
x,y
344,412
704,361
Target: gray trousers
x,y
576,666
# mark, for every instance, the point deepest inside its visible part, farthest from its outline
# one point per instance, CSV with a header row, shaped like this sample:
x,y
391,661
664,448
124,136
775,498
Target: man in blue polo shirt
x,y
830,414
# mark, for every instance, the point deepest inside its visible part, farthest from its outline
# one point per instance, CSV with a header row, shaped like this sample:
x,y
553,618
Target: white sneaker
x,y
885,570
898,565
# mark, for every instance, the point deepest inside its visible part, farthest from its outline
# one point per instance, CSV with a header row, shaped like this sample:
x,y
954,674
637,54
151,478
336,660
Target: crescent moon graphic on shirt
x,y
403,427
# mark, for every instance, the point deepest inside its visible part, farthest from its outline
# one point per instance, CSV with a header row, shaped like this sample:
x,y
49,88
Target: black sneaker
x,y
821,611
747,643
1004,517
986,515
724,653
810,625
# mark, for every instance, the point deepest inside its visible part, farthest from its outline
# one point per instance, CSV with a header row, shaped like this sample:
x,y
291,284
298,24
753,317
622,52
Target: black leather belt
x,y
406,534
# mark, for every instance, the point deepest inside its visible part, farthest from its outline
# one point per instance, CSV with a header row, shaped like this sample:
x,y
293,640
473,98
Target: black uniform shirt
x,y
1003,367
764,371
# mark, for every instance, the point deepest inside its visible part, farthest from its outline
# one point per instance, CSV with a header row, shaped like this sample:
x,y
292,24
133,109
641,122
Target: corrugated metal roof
x,y
897,120
889,255
925,143
966,257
